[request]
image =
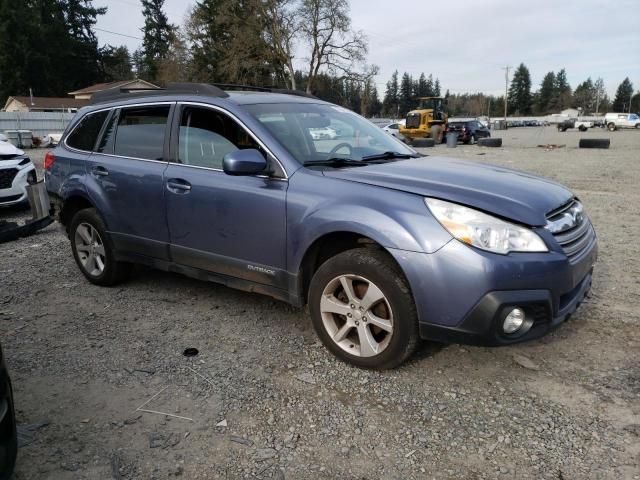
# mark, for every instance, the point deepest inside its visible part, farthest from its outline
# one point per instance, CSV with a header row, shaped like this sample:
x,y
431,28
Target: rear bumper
x,y
463,294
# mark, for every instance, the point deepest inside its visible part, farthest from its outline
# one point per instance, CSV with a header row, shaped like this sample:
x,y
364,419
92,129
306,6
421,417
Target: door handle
x,y
99,171
177,185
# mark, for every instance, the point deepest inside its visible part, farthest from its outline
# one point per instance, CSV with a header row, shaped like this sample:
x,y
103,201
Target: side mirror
x,y
244,162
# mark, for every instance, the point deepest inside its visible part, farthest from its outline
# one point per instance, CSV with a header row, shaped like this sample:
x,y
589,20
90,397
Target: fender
x,y
402,220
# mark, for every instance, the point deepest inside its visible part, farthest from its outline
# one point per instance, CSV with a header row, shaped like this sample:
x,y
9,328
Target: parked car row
x,y
526,123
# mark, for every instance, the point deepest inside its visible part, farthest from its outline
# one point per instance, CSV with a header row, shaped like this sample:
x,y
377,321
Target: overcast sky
x,y
466,43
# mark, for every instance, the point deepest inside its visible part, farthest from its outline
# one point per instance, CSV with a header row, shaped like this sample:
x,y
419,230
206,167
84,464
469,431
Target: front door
x,y
231,225
126,170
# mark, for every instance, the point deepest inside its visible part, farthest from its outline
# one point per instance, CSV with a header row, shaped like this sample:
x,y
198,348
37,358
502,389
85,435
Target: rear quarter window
x,y
140,132
85,134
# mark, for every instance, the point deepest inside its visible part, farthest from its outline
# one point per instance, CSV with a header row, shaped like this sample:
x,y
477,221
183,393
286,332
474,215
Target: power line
x,y
116,33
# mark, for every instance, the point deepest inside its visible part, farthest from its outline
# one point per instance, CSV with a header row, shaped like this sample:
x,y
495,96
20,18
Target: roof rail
x,y
251,88
112,94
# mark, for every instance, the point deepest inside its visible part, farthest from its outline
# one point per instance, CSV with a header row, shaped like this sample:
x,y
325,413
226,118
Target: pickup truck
x,y
581,125
614,121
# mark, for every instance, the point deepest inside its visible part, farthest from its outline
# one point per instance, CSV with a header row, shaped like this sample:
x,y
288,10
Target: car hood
x,y
7,148
519,196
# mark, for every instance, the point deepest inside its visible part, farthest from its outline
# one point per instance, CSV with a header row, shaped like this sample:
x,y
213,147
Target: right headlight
x,y
484,231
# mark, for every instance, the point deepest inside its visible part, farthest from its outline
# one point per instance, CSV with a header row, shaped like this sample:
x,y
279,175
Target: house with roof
x,y
43,104
87,92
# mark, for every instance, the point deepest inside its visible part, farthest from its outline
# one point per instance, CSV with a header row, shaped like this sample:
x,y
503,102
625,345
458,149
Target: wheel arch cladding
x,y
330,245
72,205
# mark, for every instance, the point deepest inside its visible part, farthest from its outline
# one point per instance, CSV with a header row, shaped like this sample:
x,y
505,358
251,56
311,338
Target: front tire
x,y
362,309
612,127
93,250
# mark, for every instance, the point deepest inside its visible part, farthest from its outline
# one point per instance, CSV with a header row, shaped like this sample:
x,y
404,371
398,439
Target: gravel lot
x,y
263,399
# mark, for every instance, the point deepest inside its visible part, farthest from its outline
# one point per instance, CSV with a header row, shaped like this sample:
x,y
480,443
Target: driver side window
x,y
207,135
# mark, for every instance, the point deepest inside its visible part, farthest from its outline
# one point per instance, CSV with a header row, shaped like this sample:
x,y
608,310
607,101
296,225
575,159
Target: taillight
x,y
49,158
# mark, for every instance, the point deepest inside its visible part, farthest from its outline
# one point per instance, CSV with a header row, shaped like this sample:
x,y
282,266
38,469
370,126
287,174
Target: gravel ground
x,y
263,399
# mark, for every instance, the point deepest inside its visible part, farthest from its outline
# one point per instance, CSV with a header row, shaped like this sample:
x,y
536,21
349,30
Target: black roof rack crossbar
x,y
112,94
237,87
251,88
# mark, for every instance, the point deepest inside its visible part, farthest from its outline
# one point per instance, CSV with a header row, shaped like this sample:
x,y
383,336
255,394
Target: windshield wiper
x,y
336,162
388,156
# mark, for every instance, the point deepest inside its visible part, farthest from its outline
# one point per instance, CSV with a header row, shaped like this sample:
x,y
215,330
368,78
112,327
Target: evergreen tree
x,y
520,91
621,101
546,93
421,89
562,92
406,94
429,90
391,96
116,63
635,104
157,33
436,88
49,46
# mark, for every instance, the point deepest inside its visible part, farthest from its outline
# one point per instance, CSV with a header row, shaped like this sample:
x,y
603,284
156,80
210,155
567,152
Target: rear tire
x,y
612,127
382,333
582,128
93,250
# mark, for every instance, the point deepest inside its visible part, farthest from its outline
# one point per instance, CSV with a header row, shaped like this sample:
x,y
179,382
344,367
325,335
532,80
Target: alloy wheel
x,y
357,315
90,249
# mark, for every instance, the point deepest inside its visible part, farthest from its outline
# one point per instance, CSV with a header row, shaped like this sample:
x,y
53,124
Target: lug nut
x,y
357,323
364,319
349,315
353,306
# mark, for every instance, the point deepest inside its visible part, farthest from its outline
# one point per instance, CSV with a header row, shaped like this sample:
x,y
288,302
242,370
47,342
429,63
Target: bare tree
x,y
326,26
281,28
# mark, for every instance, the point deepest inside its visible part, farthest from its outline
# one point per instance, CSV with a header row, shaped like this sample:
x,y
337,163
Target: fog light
x,y
513,321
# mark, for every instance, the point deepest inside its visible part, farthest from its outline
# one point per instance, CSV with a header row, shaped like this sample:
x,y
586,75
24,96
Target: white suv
x,y
16,172
613,121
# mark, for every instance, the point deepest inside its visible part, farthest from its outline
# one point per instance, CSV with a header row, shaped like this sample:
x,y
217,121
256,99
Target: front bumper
x,y
463,294
17,192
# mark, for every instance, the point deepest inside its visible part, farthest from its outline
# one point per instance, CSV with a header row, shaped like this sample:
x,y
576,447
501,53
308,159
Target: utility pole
x,y
506,91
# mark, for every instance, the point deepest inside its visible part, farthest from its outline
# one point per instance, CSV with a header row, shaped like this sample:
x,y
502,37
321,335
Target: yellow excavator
x,y
429,120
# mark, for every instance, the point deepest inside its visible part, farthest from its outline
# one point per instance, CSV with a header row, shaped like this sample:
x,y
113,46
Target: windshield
x,y
316,132
430,103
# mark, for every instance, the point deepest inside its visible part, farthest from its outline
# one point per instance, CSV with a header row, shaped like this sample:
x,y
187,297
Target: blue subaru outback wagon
x,y
384,245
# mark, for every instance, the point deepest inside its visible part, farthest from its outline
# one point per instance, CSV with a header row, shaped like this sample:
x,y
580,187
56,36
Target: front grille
x,y
413,120
571,228
6,177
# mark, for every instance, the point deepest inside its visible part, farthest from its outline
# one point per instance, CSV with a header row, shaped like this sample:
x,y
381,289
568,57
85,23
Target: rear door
x,y
125,178
232,225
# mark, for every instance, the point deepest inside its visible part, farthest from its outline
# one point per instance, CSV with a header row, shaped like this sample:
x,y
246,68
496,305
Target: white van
x,y
613,121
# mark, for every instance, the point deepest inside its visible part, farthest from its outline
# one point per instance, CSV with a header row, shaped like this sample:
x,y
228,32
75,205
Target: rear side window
x,y
140,132
84,136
